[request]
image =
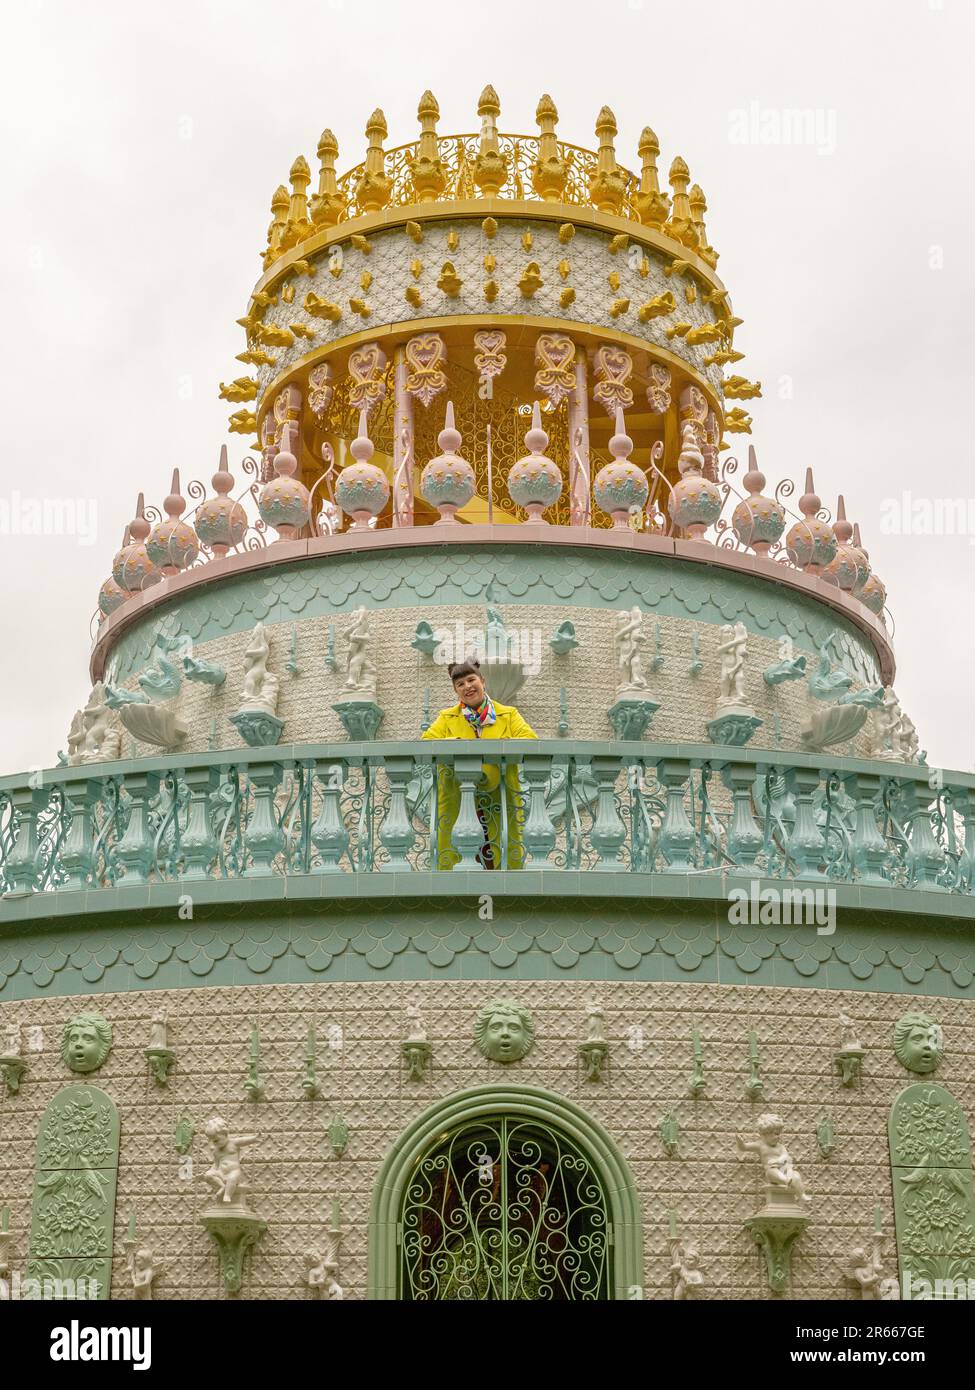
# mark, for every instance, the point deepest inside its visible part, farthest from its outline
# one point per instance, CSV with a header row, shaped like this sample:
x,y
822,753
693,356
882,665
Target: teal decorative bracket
x,y
698,1085
848,1063
670,1133
417,1054
254,1085
775,1231
425,640
330,663
825,1137
309,1081
563,725
754,1086
234,1233
338,1134
564,639
160,1060
733,730
630,718
593,1055
257,728
12,1070
360,719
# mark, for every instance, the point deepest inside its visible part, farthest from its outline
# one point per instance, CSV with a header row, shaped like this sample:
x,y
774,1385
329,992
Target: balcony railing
x,y
402,807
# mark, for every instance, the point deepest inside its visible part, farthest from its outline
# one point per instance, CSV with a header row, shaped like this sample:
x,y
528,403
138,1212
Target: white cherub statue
x,y
781,1174
226,1175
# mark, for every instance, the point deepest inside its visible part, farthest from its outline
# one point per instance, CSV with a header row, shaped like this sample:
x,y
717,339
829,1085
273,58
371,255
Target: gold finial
x,y
650,205
491,166
550,172
679,225
374,187
488,103
327,206
427,169
698,206
489,227
299,225
280,203
607,187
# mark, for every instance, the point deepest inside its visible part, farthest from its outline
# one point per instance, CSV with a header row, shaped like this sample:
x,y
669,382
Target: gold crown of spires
x,y
491,165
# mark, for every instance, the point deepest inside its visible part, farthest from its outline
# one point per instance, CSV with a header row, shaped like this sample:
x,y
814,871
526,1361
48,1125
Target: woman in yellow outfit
x,y
478,716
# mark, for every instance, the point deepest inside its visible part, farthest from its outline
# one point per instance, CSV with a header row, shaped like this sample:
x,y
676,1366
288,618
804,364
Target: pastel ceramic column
x,y
578,422
329,834
403,444
397,834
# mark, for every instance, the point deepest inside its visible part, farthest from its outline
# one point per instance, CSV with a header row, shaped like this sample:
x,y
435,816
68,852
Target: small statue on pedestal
x,y
226,1175
781,1174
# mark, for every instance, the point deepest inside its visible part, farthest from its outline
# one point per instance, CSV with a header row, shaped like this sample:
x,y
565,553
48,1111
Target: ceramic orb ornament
x,y
284,502
535,482
620,486
221,523
448,482
172,544
757,521
362,489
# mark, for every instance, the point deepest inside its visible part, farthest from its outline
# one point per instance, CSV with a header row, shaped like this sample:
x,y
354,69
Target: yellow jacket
x,y
450,723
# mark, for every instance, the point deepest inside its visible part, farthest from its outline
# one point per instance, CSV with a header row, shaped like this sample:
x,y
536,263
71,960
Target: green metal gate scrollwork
x,y
505,1208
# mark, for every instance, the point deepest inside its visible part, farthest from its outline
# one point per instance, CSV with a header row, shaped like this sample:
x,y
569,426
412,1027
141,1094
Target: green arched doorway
x,y
505,1193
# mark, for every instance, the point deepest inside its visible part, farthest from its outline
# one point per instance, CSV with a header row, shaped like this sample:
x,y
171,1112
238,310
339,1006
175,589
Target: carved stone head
x,y
87,1042
919,1043
504,1030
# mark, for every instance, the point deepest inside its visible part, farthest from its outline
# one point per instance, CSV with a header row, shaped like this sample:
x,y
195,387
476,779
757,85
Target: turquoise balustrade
x,y
354,808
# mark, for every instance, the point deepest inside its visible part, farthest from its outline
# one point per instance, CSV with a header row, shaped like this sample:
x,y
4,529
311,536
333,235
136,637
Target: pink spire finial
x,y
754,479
449,438
362,447
842,529
139,527
222,480
536,440
174,505
621,445
809,502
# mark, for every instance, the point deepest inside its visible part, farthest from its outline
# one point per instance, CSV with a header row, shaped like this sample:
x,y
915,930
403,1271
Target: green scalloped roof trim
x,y
575,578
531,938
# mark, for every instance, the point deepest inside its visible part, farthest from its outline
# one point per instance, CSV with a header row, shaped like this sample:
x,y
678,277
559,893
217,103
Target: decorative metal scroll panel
x,y
505,1209
458,154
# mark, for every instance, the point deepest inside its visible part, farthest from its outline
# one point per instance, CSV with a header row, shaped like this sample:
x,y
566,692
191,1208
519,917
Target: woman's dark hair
x,y
457,669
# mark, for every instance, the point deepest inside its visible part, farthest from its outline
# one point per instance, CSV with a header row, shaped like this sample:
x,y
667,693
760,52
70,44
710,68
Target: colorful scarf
x,y
485,713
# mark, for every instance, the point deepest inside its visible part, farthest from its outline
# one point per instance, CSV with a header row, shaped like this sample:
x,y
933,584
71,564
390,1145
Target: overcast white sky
x,y
142,143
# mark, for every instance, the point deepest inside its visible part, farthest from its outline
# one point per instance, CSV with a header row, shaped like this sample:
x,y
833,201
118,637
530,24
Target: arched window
x,y
504,1208
505,1193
